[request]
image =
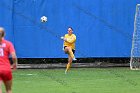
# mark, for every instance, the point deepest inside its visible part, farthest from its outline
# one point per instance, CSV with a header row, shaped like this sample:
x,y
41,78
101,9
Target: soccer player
x,y
6,49
69,47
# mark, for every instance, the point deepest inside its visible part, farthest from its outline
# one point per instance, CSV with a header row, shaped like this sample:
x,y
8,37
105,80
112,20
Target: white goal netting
x,y
135,51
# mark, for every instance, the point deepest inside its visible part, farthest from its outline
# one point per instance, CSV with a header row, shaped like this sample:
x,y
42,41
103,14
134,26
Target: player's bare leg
x,y
0,86
71,56
69,50
66,50
8,86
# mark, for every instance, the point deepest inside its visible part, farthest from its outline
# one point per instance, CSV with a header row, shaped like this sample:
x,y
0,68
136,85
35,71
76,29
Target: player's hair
x,y
3,31
70,28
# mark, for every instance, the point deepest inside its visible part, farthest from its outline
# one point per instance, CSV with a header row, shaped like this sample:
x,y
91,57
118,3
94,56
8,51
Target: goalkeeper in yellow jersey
x,y
69,47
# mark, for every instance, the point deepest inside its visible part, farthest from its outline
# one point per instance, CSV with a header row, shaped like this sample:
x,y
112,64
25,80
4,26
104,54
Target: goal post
x,y
135,51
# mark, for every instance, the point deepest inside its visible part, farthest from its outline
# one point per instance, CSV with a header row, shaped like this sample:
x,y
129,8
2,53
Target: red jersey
x,y
6,48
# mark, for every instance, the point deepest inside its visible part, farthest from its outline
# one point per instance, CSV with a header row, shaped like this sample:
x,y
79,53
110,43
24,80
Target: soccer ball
x,y
43,19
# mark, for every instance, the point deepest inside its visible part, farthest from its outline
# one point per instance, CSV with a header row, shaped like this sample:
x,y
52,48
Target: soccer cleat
x,y
65,71
74,59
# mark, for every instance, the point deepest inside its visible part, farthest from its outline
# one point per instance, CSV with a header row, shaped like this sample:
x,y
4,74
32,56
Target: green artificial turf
x,y
77,80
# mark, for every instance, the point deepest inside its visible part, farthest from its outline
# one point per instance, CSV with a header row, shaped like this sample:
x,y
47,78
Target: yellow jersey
x,y
70,42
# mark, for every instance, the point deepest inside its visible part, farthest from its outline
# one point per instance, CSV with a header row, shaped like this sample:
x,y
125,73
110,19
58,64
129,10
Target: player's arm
x,y
13,55
70,40
14,59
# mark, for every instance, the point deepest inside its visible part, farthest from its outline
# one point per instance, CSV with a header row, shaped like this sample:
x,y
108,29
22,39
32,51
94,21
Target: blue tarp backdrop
x,y
103,28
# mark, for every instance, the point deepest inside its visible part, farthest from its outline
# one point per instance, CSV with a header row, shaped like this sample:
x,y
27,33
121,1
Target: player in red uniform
x,y
6,49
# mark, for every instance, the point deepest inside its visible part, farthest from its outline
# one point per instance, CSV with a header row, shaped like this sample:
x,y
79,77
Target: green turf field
x,y
78,80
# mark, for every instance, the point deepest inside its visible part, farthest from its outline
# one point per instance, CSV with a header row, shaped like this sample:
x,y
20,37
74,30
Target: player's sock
x,y
67,68
72,55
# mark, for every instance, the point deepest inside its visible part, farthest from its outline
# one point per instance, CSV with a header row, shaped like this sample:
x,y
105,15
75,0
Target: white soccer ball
x,y
43,19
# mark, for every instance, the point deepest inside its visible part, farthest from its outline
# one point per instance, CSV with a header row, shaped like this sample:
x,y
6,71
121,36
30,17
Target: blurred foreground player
x,y
6,49
69,47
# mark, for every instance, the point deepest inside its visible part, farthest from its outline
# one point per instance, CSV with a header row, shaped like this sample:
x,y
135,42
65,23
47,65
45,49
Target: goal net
x,y
135,51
